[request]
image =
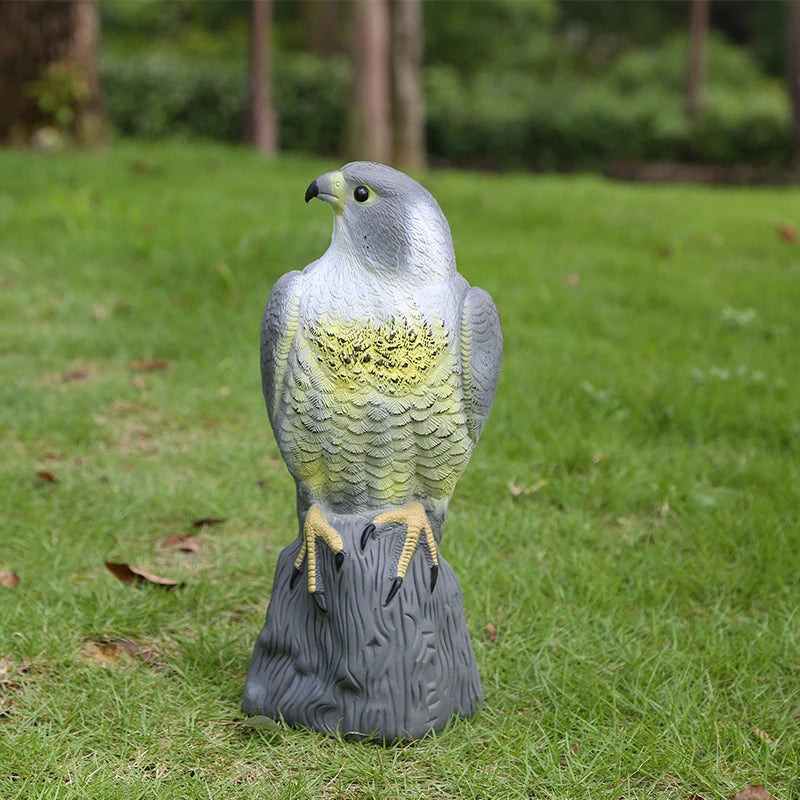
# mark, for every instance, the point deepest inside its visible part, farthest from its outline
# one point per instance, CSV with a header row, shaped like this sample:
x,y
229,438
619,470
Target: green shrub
x,y
744,127
163,95
642,69
311,100
507,119
636,112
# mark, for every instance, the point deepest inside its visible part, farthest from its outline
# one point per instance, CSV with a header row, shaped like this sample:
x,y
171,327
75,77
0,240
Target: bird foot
x,y
417,526
315,527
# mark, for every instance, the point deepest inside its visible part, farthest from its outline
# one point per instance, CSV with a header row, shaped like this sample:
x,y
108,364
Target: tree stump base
x,y
363,668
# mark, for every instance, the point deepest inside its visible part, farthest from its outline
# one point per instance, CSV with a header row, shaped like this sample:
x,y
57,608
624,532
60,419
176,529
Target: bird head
x,y
386,222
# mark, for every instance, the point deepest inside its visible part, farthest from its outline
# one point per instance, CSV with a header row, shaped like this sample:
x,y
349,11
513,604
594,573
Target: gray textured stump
x,y
364,669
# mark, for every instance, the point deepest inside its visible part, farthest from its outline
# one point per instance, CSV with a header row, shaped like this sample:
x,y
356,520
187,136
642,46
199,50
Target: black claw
x,y
296,573
320,601
366,534
396,584
434,576
339,559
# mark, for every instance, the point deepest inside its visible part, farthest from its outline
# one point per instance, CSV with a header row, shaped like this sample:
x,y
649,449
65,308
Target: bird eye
x,y
361,194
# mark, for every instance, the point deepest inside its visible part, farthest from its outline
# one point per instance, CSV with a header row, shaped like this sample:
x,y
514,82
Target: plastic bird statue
x,y
379,365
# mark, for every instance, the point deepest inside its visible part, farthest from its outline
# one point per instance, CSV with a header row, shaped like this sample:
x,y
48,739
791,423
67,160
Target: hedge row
x,y
507,120
163,95
571,124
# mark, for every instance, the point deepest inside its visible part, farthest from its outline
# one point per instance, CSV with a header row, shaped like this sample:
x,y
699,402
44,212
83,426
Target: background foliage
x,y
508,84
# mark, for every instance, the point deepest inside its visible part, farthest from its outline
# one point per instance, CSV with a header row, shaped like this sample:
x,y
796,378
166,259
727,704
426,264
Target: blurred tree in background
x,y
793,73
263,130
48,72
408,103
698,33
386,117
542,84
369,134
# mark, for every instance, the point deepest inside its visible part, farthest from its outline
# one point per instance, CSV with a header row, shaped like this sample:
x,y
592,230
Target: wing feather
x,y
278,328
481,354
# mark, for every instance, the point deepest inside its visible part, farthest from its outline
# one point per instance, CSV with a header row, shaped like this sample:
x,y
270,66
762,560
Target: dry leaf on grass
x,y
149,365
106,652
762,735
185,542
492,631
573,279
755,791
46,476
76,374
206,521
788,232
9,580
664,251
129,574
12,679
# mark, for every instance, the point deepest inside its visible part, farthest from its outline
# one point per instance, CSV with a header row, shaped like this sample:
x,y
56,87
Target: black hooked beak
x,y
312,191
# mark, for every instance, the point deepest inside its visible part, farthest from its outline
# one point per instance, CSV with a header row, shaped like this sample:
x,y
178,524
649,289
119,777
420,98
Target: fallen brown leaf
x,y
11,674
149,365
12,679
106,652
205,521
46,476
138,577
492,631
9,580
76,374
573,279
787,232
664,250
576,746
763,735
185,542
755,791
138,382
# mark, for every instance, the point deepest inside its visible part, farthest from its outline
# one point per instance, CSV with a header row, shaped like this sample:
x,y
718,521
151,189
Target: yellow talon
x,y
315,527
416,521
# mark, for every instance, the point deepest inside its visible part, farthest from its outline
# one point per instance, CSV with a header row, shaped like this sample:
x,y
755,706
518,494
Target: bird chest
x,y
394,357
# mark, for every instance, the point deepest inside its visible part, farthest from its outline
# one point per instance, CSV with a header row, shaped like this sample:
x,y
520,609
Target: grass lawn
x,y
627,534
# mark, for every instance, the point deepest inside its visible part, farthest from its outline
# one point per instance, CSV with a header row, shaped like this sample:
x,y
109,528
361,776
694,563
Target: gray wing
x,y
481,354
278,328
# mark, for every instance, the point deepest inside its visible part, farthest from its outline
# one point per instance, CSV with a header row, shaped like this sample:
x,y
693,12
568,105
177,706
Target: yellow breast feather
x,y
393,357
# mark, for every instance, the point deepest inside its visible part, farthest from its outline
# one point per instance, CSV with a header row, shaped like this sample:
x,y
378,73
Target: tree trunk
x,y
793,73
408,115
698,32
365,668
48,70
369,127
263,122
321,18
